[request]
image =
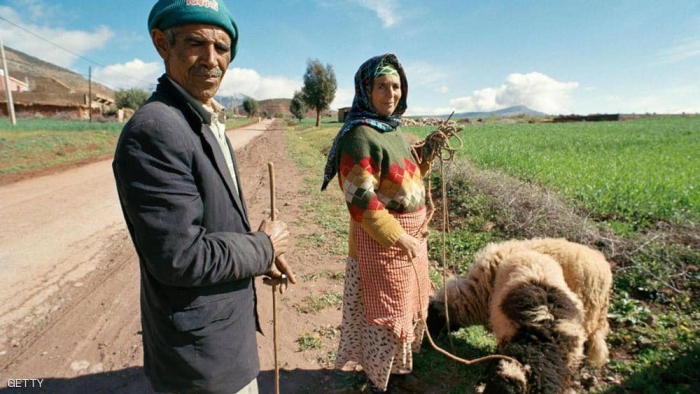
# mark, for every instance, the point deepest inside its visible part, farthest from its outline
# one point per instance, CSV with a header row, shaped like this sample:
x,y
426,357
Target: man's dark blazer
x,y
197,254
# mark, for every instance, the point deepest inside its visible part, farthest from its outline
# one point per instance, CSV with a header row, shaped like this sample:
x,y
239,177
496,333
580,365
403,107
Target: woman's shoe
x,y
407,383
375,390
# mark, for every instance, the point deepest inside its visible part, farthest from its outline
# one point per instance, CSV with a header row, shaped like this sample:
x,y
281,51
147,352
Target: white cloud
x,y
76,41
425,74
385,9
534,90
251,83
677,53
343,98
133,74
236,80
38,9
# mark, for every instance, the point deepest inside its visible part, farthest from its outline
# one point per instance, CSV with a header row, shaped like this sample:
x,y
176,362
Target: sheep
x,y
550,289
537,320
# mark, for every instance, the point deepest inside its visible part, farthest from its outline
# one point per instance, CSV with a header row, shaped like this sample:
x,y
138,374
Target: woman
x,y
385,195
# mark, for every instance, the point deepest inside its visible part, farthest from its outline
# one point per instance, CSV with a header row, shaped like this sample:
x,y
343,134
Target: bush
x,y
131,98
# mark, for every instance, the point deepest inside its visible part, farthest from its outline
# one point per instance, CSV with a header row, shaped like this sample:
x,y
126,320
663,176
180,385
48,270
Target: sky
x,y
557,57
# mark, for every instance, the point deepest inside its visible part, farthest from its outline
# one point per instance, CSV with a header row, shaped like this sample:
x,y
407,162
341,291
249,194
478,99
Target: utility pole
x,y
90,92
8,91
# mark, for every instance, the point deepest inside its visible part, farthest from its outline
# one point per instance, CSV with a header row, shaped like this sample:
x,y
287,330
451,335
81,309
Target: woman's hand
x,y
409,245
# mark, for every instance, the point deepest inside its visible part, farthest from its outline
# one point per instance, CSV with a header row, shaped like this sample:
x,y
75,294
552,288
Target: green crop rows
x,y
636,172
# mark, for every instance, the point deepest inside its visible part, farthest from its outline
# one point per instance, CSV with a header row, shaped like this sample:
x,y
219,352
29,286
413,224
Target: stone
x,y
79,365
644,343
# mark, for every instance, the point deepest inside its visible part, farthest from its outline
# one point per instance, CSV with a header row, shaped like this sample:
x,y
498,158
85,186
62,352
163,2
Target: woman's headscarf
x,y
362,111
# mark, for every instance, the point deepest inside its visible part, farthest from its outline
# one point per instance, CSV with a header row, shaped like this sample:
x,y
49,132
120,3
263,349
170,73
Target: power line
x,y
71,52
20,63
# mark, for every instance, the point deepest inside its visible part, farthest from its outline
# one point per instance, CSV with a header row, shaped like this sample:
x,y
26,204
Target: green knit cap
x,y
169,13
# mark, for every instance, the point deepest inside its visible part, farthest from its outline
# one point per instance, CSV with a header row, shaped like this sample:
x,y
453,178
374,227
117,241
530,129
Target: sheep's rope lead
x,y
445,152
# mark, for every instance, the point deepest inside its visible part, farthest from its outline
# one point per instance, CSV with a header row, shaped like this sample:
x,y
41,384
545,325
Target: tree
x,y
319,87
131,98
251,106
298,107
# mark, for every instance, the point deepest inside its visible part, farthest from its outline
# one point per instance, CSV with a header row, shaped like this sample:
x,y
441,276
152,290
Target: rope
x,y
444,152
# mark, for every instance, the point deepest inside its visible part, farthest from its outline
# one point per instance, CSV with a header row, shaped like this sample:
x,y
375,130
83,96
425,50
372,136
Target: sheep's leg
x,y
597,348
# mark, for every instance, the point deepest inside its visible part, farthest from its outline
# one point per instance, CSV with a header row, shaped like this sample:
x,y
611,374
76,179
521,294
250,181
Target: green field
x,y
233,123
636,172
37,143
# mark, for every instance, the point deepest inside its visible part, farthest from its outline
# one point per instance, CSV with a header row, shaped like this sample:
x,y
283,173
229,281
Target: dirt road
x,y
70,284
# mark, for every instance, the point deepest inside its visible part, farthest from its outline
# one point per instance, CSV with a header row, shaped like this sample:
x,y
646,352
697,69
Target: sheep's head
x,y
507,378
436,317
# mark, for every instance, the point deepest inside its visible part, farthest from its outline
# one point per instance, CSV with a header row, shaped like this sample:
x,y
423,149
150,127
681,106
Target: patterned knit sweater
x,y
379,176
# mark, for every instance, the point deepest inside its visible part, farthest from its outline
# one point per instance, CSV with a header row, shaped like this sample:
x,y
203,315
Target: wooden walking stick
x,y
273,216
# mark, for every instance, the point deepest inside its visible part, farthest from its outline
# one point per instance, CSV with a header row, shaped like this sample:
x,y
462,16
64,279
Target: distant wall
x,y
46,111
587,118
15,85
342,112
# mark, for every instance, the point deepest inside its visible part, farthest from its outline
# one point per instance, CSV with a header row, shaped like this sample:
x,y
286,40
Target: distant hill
x,y
47,77
518,110
231,102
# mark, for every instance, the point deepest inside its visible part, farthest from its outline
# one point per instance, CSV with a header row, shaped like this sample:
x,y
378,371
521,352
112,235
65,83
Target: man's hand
x,y
280,274
409,245
280,283
278,233
284,268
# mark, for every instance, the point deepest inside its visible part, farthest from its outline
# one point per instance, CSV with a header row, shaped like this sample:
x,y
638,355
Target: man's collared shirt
x,y
215,120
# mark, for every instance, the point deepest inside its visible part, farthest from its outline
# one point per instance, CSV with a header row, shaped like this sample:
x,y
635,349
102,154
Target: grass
x,y
313,277
448,376
328,359
326,209
58,125
36,143
315,303
234,123
635,172
309,342
327,331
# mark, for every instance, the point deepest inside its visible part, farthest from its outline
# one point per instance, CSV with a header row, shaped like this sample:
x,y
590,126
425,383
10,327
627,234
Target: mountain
x,y
231,102
518,110
49,78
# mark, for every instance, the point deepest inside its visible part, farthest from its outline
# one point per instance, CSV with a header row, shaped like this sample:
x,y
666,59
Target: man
x,y
178,186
